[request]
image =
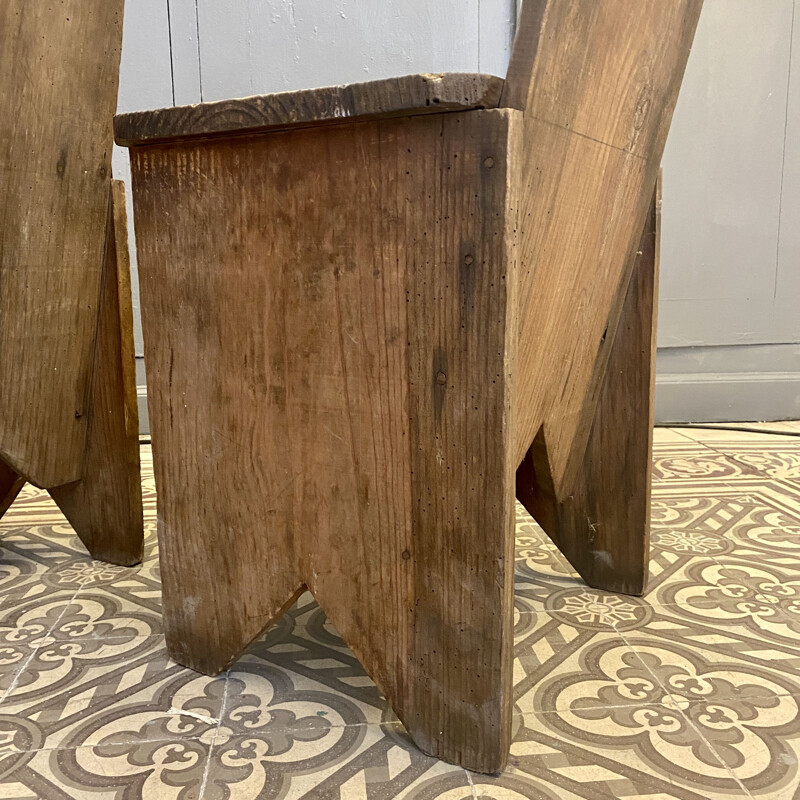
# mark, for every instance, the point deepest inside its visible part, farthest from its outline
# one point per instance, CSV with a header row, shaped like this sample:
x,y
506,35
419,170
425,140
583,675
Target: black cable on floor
x,y
735,428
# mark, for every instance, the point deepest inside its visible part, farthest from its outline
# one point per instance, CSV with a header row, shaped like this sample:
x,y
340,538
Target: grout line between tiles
x,y
27,661
688,721
473,790
222,714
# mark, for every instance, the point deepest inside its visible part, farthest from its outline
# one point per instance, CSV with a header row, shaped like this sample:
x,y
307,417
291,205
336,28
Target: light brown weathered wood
x,y
10,486
602,90
330,334
603,525
390,97
58,69
332,320
105,506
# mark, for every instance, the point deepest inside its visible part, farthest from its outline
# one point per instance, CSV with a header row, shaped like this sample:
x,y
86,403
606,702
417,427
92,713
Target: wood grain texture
x,y
603,526
405,96
59,65
330,335
105,506
10,486
603,86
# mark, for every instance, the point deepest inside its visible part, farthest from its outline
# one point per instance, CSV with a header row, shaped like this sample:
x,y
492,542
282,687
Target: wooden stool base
x,y
105,506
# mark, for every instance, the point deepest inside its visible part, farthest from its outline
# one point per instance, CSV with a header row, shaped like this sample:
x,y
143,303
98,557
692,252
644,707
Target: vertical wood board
x,y
59,70
602,89
330,337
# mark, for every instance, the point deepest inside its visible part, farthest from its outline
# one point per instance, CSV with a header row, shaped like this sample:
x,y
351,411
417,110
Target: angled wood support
x,y
360,312
65,353
105,506
602,526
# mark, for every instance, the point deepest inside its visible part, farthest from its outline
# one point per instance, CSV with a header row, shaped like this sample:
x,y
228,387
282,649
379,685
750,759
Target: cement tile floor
x,y
690,692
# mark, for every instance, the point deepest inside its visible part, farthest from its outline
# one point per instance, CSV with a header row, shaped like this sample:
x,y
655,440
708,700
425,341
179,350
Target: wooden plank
x,y
10,486
58,67
603,86
330,332
105,506
412,94
603,526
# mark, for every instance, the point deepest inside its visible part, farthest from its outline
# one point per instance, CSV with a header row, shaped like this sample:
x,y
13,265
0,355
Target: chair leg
x,y
10,486
602,524
105,506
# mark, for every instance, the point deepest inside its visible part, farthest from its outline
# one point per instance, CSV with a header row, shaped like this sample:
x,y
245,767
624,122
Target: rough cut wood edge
x,y
406,96
603,526
105,506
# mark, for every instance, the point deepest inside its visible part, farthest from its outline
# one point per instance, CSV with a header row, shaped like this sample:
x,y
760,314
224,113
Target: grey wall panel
x,y
257,46
145,81
185,51
787,283
497,22
722,178
724,384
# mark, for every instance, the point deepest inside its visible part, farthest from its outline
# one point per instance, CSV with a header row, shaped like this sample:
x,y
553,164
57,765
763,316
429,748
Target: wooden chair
x,y
68,415
373,314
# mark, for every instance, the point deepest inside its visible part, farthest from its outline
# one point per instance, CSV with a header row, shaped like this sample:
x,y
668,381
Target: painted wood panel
x,y
723,179
145,81
259,46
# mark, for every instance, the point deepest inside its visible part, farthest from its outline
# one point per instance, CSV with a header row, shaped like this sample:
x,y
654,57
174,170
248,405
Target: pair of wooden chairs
x,y
68,414
374,315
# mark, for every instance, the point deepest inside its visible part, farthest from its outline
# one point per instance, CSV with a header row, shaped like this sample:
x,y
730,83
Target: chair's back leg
x,y
59,65
105,506
602,526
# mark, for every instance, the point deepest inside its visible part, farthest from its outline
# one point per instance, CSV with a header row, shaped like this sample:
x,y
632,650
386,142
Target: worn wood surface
x,y
333,317
600,96
330,333
405,96
603,525
105,506
58,68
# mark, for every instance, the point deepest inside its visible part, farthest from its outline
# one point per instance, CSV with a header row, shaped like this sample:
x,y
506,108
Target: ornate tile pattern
x,y
691,692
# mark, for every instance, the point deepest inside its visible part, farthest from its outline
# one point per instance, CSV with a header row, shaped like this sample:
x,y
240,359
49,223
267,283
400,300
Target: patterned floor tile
x,y
301,675
140,770
328,763
771,455
692,691
748,713
92,691
25,623
622,751
540,569
558,665
696,462
662,436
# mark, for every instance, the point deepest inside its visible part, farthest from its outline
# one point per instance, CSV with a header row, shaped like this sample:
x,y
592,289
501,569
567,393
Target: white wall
x,y
730,327
730,286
